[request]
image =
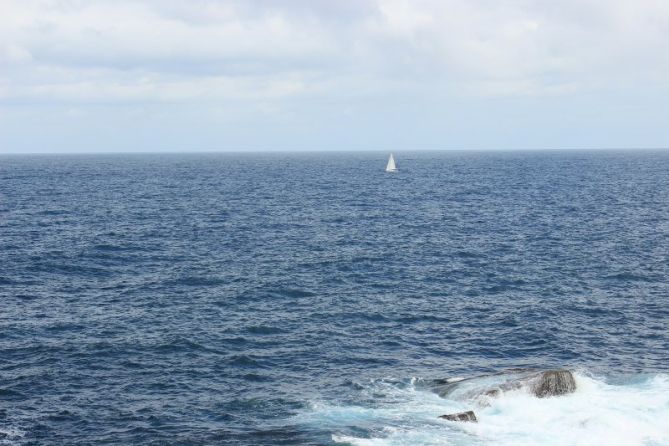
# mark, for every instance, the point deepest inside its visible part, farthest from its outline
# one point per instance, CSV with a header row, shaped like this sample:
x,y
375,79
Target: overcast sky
x,y
200,75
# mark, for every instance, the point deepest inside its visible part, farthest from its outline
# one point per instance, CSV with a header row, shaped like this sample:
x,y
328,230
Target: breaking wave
x,y
630,412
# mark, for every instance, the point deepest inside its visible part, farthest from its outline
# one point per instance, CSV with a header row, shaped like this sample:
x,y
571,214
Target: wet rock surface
x,y
468,416
554,383
482,389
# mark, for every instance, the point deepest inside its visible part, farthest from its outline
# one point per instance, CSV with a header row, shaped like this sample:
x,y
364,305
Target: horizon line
x,y
312,151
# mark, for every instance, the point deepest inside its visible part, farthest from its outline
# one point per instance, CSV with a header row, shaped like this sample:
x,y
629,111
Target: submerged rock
x,y
462,416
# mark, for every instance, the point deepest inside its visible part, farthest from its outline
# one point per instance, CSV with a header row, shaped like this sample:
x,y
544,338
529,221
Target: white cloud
x,y
257,73
144,50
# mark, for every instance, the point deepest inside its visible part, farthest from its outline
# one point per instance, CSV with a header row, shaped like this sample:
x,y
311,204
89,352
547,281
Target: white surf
x,y
633,413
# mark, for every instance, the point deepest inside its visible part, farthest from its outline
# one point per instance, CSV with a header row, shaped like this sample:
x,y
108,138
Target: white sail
x,y
391,164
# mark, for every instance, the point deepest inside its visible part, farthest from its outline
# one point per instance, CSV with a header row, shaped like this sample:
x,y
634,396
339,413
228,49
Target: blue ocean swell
x,y
199,299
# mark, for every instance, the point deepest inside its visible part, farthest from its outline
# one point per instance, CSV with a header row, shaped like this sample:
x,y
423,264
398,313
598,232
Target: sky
x,y
213,75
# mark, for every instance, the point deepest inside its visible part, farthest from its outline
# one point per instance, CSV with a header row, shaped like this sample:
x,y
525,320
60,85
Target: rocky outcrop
x,y
462,416
554,383
482,389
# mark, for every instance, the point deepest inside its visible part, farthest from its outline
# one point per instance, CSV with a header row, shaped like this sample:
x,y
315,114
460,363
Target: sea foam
x,y
634,412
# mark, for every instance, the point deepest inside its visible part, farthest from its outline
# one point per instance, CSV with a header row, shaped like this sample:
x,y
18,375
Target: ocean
x,y
311,298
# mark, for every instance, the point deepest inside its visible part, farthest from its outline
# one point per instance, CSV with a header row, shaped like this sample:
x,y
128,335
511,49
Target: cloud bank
x,y
299,68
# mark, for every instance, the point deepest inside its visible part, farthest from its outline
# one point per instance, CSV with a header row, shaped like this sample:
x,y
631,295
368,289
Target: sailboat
x,y
390,167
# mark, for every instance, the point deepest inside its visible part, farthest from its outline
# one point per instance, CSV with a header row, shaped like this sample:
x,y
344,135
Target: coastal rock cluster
x,y
541,384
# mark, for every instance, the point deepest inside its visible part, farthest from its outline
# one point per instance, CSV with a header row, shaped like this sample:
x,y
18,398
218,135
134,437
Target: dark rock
x,y
462,416
554,383
483,389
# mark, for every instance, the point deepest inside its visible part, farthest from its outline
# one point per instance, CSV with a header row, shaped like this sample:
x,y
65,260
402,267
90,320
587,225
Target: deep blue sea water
x,y
305,299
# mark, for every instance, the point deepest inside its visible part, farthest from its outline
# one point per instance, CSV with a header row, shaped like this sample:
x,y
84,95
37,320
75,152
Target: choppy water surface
x,y
305,299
